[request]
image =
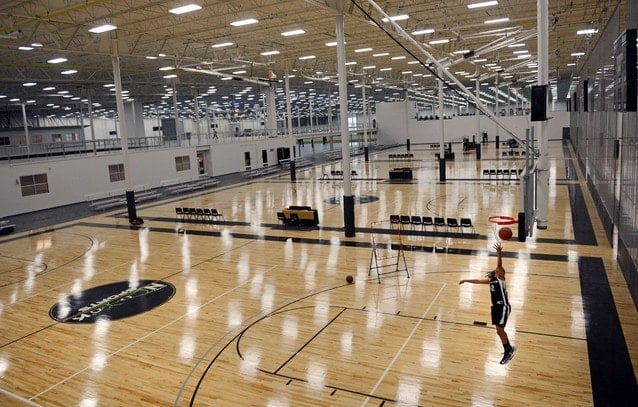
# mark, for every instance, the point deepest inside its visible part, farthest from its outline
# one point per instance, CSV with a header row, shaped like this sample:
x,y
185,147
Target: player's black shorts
x,y
500,313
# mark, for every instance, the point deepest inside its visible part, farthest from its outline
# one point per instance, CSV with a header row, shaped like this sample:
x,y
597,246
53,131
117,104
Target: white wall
x,y
395,128
71,179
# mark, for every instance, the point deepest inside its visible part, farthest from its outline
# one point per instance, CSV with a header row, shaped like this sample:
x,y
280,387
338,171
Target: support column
x,y
130,194
442,175
348,199
176,114
541,126
478,114
291,137
26,129
271,110
497,107
365,119
90,112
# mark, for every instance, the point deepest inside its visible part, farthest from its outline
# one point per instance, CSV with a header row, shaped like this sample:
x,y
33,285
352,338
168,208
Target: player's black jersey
x,y
498,291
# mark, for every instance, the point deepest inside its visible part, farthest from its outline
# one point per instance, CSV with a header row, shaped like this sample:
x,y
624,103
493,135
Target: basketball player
x,y
500,305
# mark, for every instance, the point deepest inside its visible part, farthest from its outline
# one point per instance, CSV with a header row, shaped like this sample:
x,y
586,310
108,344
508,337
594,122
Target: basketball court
x,y
248,311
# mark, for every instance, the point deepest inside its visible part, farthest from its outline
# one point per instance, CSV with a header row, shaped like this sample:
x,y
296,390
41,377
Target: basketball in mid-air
x,y
505,233
349,279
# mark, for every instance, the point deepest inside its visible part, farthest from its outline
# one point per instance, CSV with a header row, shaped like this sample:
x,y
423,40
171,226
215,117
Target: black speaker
x,y
539,103
586,95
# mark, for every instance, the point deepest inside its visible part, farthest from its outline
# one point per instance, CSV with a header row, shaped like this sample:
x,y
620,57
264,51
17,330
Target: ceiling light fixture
x,y
497,20
398,17
247,21
381,54
363,49
69,72
307,57
267,53
440,41
424,31
578,54
185,9
102,28
290,33
24,48
587,31
57,60
222,44
483,4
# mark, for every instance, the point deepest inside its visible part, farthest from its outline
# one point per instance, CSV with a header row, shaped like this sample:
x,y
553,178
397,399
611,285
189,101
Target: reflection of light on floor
x,y
250,362
316,374
409,390
346,344
290,327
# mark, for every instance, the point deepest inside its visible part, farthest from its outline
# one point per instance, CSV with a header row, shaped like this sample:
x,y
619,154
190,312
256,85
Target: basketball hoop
x,y
503,220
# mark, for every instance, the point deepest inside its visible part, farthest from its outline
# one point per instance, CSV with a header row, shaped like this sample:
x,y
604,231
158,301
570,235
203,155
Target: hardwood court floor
x,y
261,314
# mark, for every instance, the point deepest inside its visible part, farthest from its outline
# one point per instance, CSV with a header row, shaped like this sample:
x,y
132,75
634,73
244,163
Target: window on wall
x,y
36,139
34,184
116,172
182,163
5,141
56,138
21,140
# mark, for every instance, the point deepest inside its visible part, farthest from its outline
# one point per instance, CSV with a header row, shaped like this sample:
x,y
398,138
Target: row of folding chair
x,y
514,153
405,156
435,222
502,172
198,213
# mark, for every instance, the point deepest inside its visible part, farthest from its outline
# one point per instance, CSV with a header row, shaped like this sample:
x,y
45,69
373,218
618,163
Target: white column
x,y
291,137
365,111
478,114
441,112
26,128
348,199
542,180
115,60
90,112
271,109
176,113
497,105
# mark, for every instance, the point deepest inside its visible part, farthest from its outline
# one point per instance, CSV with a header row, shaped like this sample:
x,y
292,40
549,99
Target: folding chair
x,y
438,223
281,217
179,213
215,213
192,213
452,223
466,223
208,214
200,213
405,220
416,221
394,220
427,221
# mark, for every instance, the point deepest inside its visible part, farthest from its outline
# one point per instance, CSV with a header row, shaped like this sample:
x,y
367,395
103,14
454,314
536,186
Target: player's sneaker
x,y
508,356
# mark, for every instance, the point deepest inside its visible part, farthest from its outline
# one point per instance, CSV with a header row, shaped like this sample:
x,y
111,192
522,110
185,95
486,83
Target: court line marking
x,y
405,343
20,398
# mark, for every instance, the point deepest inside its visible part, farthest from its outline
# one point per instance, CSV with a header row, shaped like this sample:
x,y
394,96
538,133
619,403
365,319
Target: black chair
x,y
200,213
394,220
405,221
216,214
438,223
179,213
208,214
452,223
186,213
192,213
466,223
416,221
281,218
427,221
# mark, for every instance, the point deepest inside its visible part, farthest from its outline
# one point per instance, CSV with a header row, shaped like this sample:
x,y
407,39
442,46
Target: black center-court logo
x,y
112,301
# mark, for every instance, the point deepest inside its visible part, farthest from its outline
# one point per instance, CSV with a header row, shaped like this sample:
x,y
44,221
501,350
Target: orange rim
x,y
502,220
